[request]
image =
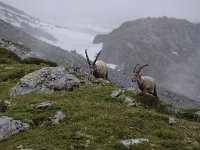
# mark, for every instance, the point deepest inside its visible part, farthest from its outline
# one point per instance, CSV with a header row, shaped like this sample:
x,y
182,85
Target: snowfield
x,y
76,38
68,36
112,66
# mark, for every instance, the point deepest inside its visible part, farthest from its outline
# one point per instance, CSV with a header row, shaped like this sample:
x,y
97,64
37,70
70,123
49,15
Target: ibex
x,y
145,83
97,68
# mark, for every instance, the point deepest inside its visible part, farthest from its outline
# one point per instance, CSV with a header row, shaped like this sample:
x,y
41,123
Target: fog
x,y
107,12
113,13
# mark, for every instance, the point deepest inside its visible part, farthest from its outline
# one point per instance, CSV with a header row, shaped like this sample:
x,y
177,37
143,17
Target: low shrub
x,y
12,75
8,56
38,61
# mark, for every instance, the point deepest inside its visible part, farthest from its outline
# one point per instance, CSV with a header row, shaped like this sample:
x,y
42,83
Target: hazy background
x,y
106,12
74,24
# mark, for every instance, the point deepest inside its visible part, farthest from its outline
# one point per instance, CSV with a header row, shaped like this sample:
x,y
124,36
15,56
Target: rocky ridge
x,y
170,46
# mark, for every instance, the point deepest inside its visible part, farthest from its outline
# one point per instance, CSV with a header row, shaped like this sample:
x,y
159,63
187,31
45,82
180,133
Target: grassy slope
x,y
93,120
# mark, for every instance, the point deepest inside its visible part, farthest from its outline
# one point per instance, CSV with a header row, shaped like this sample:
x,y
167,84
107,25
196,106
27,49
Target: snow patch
x,y
112,66
175,53
130,45
121,67
72,37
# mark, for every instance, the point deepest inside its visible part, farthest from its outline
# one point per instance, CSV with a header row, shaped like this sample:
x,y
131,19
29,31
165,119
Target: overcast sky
x,y
107,12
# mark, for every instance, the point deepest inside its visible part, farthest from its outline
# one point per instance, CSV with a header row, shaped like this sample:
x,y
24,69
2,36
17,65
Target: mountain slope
x,y
36,48
25,22
39,48
147,33
171,47
68,36
94,120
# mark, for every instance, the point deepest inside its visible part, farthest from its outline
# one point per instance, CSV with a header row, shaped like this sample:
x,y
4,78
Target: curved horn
x,y
138,71
96,57
134,70
88,60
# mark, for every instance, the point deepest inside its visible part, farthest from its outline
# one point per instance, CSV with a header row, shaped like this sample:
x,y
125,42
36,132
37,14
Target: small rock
x,y
117,93
101,80
128,99
9,68
122,96
134,104
20,147
44,105
88,78
8,103
9,126
171,121
59,116
128,143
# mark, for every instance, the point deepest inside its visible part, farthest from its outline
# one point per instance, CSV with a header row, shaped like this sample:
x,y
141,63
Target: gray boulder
x,y
46,80
9,126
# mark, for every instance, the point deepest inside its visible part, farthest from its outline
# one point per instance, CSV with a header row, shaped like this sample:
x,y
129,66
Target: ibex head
x,y
92,65
136,72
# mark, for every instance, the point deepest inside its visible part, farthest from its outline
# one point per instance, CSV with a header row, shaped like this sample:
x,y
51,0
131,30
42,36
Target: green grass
x,y
93,120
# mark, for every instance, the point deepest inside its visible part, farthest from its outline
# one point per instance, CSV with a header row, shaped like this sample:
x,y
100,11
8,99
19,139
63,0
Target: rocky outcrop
x,y
10,126
46,80
18,48
170,46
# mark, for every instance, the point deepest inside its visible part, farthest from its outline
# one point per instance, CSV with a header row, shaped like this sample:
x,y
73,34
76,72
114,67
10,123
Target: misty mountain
x,y
170,46
41,49
25,22
69,36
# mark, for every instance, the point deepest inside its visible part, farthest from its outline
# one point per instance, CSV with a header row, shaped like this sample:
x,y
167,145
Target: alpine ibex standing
x,y
97,68
145,83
